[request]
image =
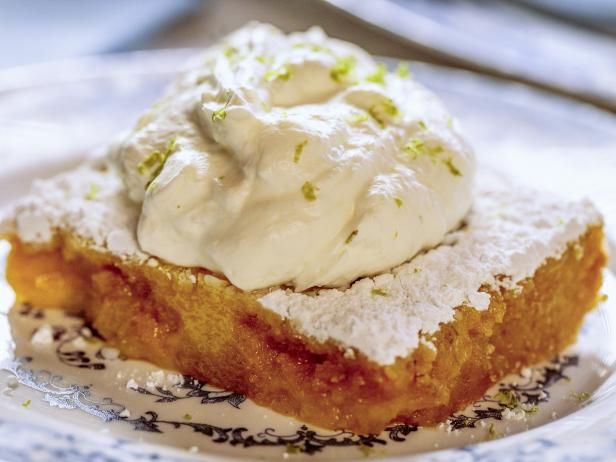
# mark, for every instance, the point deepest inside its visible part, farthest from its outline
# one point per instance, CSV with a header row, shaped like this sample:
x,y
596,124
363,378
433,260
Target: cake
x,y
488,278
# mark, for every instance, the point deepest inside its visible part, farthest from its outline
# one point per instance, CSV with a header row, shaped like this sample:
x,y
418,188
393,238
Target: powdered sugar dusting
x,y
89,201
510,232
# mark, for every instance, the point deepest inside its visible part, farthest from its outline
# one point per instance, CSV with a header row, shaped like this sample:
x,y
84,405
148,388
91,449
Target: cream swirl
x,y
294,160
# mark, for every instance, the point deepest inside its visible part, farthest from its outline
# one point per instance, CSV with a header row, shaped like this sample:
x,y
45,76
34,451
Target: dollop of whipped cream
x,y
294,160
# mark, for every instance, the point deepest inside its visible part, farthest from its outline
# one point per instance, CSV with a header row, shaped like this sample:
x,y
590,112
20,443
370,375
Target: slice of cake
x,y
296,223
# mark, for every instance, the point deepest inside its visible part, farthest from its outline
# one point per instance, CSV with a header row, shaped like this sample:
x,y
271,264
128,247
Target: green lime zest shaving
x,y
92,192
403,70
366,451
299,148
343,68
351,236
377,118
358,117
422,125
581,396
378,76
507,398
26,403
230,52
531,409
155,162
386,108
492,433
309,191
220,114
281,73
415,147
292,449
399,202
378,292
451,167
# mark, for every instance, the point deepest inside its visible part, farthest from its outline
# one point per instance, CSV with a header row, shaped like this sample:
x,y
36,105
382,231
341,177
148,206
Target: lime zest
x,y
378,76
342,69
299,148
581,396
291,448
92,192
230,52
309,191
492,433
366,451
351,236
455,171
533,409
378,292
26,403
415,147
149,162
384,109
375,115
156,161
507,398
403,70
358,117
220,114
281,73
399,202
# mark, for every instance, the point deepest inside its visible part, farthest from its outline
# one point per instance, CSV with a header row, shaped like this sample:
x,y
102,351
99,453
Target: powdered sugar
x,y
509,233
43,336
88,201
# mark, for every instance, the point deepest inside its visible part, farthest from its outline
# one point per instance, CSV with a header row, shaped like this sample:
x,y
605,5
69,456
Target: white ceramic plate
x,y
70,400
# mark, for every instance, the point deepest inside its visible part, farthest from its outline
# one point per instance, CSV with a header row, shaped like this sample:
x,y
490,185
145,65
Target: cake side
x,y
189,321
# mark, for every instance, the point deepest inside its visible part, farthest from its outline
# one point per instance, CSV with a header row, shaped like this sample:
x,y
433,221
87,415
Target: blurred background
x,y
567,46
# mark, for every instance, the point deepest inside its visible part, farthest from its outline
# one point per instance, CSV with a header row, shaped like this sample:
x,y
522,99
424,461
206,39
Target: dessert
x,y
296,223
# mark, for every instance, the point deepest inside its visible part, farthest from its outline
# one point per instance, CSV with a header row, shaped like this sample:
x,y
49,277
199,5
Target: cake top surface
x,y
271,144
508,234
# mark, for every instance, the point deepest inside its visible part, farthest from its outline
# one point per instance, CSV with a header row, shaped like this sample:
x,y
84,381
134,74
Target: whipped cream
x,y
294,160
